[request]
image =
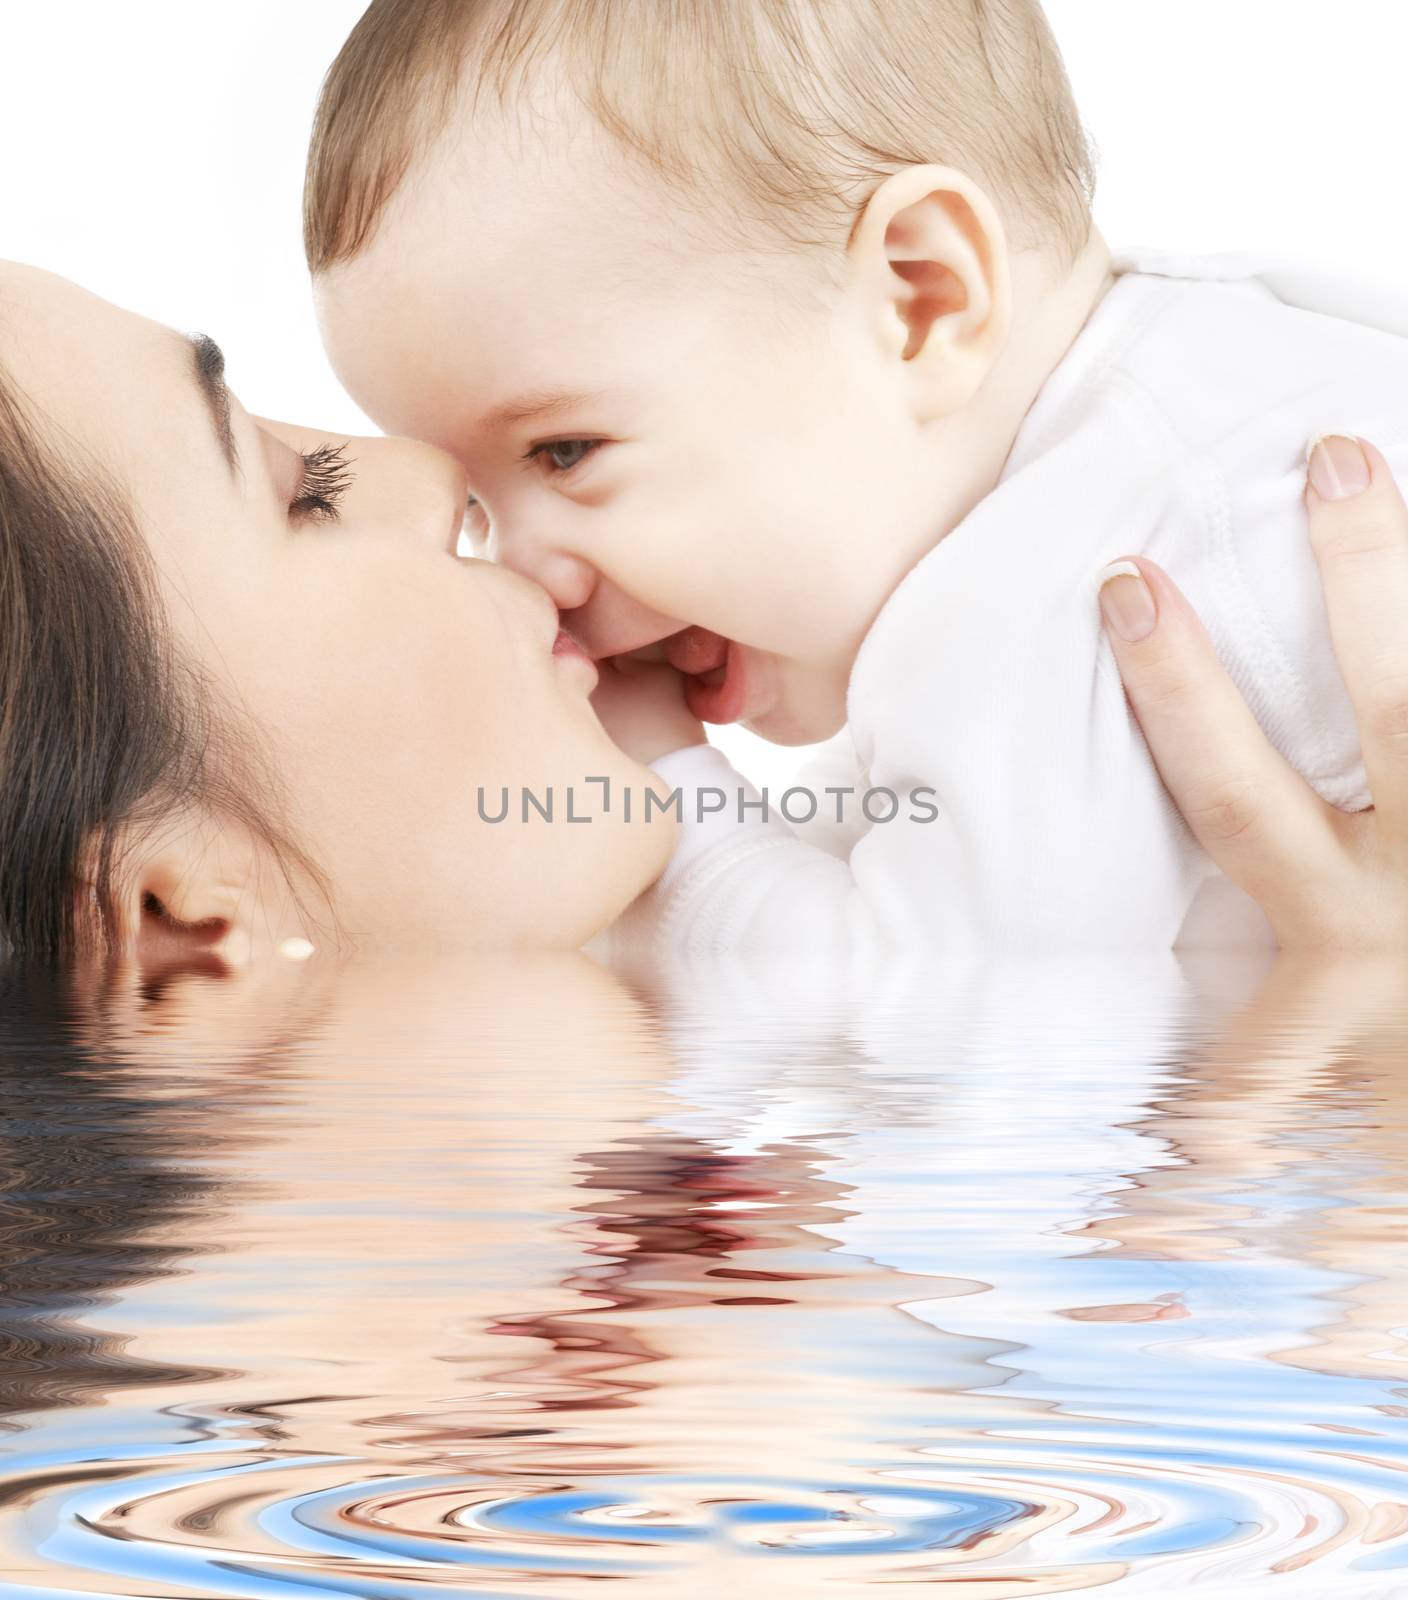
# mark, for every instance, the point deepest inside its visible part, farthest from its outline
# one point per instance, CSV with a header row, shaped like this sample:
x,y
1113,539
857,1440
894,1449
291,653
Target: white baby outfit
x,y
1176,427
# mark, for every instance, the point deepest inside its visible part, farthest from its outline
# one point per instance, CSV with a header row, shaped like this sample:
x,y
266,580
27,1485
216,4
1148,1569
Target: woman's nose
x,y
412,491
400,488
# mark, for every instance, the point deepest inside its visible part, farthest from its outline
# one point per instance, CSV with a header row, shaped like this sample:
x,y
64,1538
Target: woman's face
x,y
389,679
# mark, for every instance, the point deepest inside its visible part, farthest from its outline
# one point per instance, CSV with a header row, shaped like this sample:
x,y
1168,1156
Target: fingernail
x,y
1339,468
1126,602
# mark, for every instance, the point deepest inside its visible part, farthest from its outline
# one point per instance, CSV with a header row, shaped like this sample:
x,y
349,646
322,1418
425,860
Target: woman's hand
x,y
1327,880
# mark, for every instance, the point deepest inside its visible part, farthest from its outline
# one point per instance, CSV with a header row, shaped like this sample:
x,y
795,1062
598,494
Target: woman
x,y
249,694
247,684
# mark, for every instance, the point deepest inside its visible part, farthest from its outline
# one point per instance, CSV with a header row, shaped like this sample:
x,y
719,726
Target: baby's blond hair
x,y
784,113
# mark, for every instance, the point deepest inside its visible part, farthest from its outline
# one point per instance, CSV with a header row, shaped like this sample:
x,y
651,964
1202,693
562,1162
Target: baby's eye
x,y
562,455
474,532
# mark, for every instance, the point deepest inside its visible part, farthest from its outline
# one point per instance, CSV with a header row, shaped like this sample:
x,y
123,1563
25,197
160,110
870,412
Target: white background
x,y
153,149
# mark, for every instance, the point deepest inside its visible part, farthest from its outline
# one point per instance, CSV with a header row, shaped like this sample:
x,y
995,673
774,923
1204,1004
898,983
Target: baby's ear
x,y
929,257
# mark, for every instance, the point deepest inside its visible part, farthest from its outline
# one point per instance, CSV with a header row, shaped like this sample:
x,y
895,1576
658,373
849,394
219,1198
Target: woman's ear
x,y
190,896
929,256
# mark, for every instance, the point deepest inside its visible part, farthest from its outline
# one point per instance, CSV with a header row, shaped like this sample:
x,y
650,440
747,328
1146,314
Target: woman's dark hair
x,y
103,726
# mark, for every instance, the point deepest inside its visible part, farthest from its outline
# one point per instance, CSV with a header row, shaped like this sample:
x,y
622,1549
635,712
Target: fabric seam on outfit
x,y
680,895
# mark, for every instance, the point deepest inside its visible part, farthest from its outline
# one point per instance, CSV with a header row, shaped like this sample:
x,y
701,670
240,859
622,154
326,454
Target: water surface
x,y
522,1279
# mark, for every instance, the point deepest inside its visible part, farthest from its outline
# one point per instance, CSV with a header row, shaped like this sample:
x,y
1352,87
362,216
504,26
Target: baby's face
x,y
667,436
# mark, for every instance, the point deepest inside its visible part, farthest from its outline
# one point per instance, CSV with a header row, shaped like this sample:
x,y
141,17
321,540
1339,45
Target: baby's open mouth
x,y
713,670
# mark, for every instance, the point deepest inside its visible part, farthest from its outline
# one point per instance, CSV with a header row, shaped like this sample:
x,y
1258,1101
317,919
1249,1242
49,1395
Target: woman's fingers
x,y
1248,809
1323,878
1359,531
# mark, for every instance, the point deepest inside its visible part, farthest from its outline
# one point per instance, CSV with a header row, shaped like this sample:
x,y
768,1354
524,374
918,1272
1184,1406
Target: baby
x,y
776,335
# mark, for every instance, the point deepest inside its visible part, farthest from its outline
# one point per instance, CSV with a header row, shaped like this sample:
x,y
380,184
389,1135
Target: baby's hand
x,y
641,705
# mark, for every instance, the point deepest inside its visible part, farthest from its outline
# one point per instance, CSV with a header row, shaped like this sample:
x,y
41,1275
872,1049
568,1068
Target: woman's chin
x,y
639,848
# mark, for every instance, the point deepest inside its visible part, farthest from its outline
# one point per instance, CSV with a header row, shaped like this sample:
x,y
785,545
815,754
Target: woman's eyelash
x,y
327,476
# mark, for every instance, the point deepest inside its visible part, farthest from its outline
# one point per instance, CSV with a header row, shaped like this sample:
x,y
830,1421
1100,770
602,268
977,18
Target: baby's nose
x,y
568,579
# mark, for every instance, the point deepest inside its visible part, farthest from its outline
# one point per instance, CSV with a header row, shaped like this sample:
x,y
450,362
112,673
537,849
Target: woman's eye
x,y
327,476
562,455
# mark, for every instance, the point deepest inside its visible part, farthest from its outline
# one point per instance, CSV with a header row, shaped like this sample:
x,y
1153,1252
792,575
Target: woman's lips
x,y
566,649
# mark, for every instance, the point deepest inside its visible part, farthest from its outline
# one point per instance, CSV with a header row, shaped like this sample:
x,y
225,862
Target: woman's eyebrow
x,y
210,377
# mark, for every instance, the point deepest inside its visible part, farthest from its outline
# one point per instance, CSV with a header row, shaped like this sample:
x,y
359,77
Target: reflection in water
x,y
86,1181
518,1279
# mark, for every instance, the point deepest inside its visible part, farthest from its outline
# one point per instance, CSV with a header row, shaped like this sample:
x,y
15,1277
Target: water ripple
x,y
1041,1515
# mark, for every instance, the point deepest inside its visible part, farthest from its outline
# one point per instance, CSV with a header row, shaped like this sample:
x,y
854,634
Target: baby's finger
x,y
1359,531
1245,805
